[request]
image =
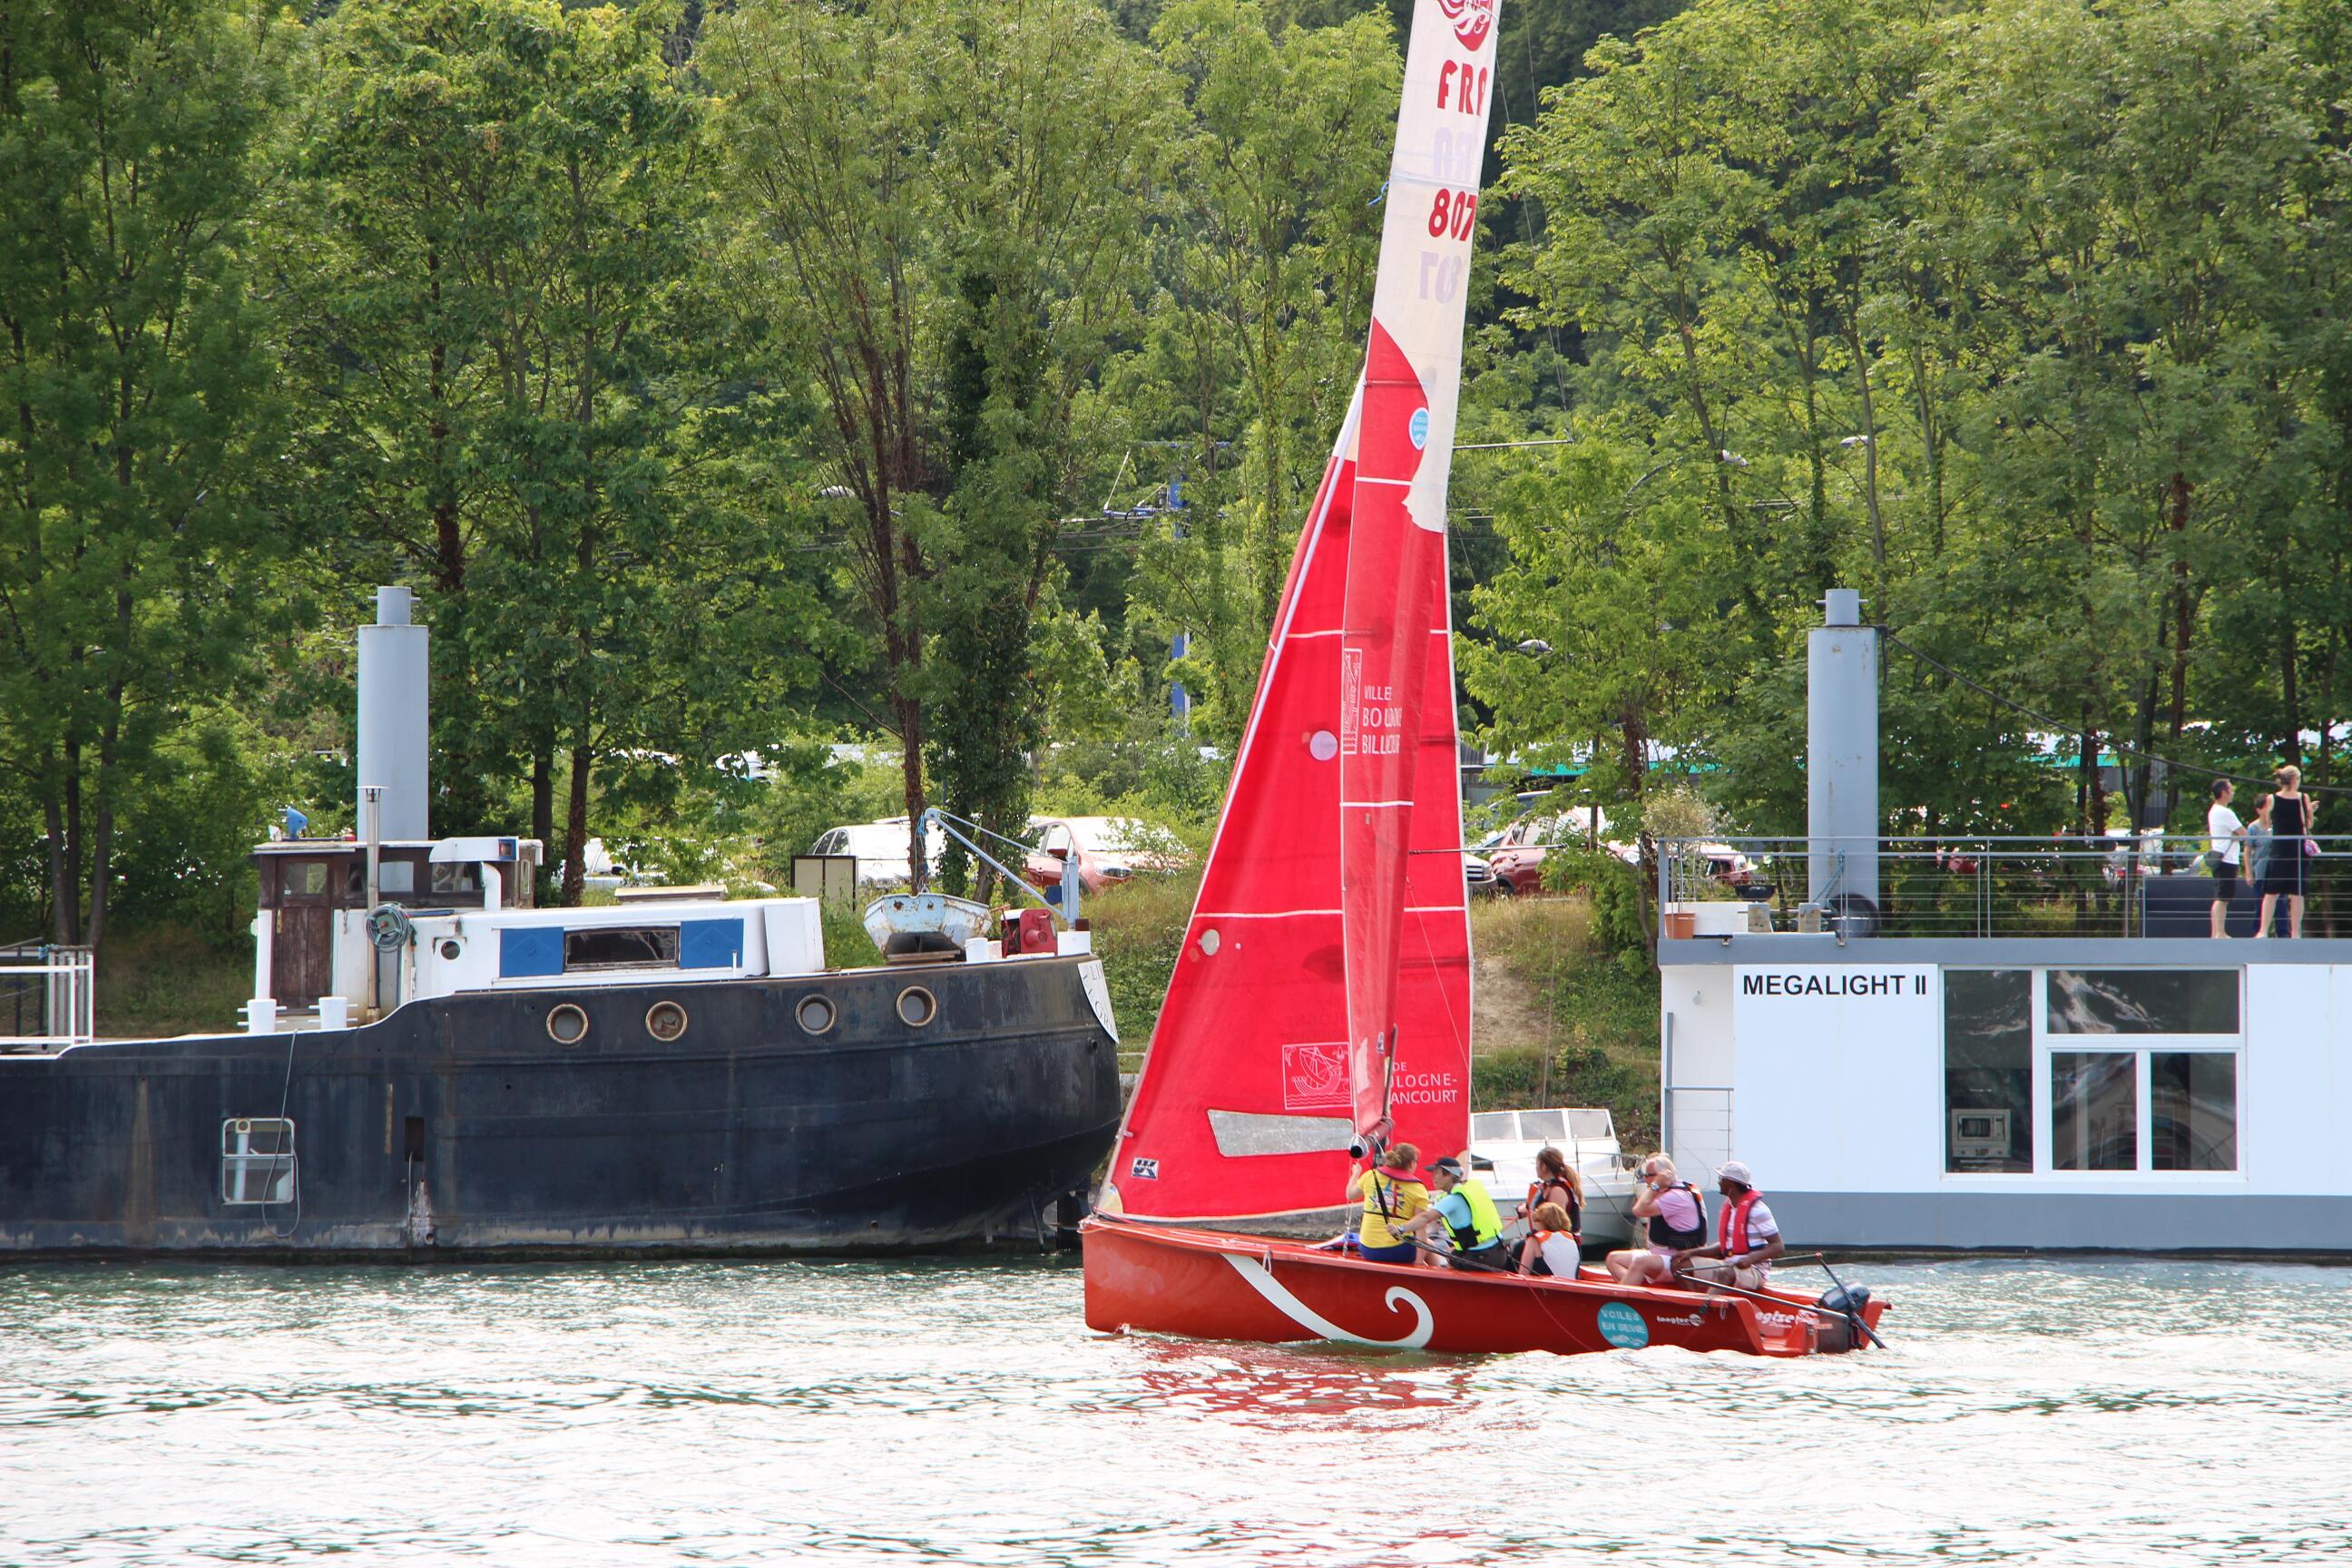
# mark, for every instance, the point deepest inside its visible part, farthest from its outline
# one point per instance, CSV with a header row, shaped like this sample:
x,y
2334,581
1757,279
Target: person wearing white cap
x,y
1747,1241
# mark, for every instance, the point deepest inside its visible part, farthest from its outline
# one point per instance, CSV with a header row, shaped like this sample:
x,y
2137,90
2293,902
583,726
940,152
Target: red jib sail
x,y
1322,995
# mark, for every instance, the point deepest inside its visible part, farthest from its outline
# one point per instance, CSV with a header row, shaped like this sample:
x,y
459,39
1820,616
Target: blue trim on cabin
x,y
710,945
530,952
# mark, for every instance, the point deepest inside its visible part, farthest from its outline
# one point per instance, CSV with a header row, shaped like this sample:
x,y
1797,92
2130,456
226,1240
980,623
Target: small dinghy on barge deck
x,y
1319,1010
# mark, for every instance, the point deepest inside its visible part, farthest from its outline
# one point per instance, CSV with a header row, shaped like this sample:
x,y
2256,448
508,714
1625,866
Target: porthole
x,y
451,947
815,1014
918,1007
664,1020
567,1025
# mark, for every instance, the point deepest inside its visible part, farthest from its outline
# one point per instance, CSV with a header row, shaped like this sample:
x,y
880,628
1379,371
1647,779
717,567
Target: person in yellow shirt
x,y
1396,1207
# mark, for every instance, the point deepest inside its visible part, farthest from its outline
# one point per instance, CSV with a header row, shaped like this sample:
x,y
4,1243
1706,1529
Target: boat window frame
x,y
281,1167
2141,1048
665,952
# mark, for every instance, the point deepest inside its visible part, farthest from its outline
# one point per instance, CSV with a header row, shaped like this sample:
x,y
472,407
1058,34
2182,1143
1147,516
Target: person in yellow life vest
x,y
1469,1213
1396,1207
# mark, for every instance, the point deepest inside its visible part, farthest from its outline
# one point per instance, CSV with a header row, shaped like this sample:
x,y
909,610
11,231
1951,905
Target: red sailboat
x,y
1320,1009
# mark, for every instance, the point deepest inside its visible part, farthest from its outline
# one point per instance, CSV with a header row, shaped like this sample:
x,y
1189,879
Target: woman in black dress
x,y
2282,877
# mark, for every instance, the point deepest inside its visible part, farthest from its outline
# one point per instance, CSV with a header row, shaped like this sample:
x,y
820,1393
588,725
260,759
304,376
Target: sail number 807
x,y
1454,213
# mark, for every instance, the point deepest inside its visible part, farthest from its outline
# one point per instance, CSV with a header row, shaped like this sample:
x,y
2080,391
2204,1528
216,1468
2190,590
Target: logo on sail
x,y
1472,20
1314,1077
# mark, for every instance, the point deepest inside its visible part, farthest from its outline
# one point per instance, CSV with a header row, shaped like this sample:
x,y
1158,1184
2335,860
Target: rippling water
x,y
2084,1412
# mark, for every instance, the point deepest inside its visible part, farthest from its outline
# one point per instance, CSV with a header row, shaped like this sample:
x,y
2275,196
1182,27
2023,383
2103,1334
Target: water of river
x,y
2099,1413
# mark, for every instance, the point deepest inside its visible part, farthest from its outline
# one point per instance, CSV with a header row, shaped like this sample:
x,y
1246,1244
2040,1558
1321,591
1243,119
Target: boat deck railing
x,y
47,996
2144,884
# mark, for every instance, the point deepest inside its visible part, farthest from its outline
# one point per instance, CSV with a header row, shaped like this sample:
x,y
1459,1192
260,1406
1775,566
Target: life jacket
x,y
1664,1235
1486,1225
1569,1201
1734,1234
1542,1265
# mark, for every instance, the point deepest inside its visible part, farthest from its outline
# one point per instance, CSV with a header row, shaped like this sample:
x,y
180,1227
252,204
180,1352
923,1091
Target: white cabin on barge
x,y
2002,1044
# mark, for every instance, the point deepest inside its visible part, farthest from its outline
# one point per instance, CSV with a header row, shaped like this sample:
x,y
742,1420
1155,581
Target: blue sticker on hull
x,y
1621,1326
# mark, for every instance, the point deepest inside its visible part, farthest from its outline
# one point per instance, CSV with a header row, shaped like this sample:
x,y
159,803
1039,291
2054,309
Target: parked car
x,y
1518,858
1477,874
880,849
1109,849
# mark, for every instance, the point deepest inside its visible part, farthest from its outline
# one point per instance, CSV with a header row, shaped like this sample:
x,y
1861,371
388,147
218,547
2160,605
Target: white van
x,y
880,849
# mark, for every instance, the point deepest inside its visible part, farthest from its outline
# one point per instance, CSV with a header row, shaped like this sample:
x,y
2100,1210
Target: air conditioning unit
x,y
1980,1135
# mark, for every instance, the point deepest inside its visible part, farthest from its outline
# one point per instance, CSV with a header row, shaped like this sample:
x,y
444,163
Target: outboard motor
x,y
1840,1329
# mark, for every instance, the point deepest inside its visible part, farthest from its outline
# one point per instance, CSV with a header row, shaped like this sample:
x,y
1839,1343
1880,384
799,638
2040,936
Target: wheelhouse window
x,y
2143,1001
2092,1070
620,947
2094,1110
2192,1110
1988,1070
257,1160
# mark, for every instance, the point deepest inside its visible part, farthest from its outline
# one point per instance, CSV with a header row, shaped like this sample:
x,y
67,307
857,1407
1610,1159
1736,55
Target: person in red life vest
x,y
1555,1183
1745,1243
1550,1248
1678,1217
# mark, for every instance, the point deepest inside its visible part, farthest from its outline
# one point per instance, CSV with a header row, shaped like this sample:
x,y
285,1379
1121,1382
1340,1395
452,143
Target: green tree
x,y
942,197
139,394
506,332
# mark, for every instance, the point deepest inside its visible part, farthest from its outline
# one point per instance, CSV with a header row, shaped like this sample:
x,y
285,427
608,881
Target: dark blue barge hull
x,y
460,1125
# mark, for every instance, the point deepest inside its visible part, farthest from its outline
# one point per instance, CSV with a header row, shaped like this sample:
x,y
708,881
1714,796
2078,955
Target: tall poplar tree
x,y
138,376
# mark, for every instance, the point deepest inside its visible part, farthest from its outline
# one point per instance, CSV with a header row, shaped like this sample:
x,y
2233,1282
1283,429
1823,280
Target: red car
x,y
1518,858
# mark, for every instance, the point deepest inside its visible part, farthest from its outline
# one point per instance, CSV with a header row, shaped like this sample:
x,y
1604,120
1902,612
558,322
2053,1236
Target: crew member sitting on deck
x,y
1469,1215
1550,1247
1396,1207
1555,1183
1678,1217
1747,1242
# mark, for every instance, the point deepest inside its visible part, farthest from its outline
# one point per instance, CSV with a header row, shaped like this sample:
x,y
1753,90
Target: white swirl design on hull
x,y
1262,1280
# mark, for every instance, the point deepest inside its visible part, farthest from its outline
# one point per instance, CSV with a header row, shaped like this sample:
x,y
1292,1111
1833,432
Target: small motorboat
x,y
1223,1285
1504,1145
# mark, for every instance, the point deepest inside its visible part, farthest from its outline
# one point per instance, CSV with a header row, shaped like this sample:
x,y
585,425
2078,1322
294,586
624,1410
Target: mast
x,y
1396,557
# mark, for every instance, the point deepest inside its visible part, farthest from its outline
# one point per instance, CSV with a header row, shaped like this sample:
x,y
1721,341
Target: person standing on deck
x,y
2290,844
2227,837
1396,1208
1748,1242
2258,845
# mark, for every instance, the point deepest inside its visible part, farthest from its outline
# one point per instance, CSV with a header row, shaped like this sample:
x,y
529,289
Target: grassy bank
x,y
1557,1021
169,981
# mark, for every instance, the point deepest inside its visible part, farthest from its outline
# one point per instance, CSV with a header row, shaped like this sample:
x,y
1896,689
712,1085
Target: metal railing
x,y
2147,885
48,997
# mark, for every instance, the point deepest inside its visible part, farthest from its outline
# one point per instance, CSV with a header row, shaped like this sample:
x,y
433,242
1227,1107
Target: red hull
x,y
1219,1285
